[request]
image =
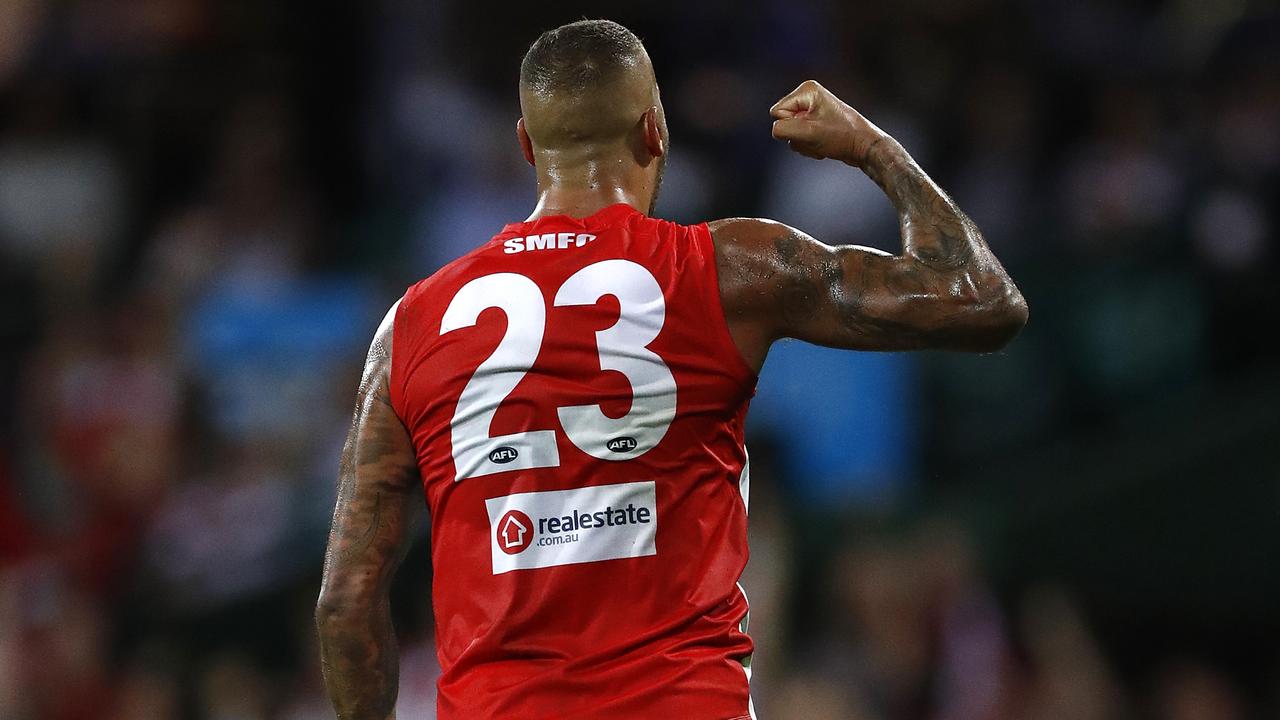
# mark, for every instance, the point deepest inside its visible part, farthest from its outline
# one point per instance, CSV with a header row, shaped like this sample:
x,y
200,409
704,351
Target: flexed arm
x,y
944,290
379,502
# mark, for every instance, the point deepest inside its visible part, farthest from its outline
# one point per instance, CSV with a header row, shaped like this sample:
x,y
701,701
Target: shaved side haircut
x,y
579,57
588,95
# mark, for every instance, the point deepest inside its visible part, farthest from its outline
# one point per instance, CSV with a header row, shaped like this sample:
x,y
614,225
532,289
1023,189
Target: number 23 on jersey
x,y
623,347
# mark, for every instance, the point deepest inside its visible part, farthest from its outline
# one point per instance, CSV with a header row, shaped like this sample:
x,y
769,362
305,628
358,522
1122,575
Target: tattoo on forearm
x,y
935,230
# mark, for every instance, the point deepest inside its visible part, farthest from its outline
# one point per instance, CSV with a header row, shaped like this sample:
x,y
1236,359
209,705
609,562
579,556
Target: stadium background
x,y
206,205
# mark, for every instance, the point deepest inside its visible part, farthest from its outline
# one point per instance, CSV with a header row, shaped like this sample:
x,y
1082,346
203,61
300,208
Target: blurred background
x,y
207,205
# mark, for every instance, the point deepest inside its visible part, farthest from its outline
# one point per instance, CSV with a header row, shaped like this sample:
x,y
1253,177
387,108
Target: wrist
x,y
867,149
863,136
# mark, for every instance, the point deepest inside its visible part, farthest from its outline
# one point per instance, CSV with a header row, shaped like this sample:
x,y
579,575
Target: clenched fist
x,y
817,124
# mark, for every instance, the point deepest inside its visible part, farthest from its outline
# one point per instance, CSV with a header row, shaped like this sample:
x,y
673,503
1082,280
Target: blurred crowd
x,y
206,205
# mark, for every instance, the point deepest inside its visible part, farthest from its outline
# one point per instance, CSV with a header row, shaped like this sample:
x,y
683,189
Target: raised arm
x,y
944,290
379,501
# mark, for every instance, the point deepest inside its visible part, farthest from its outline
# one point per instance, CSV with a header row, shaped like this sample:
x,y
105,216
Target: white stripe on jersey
x,y
744,489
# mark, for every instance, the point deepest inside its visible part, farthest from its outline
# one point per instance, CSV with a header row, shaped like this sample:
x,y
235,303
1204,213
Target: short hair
x,y
579,56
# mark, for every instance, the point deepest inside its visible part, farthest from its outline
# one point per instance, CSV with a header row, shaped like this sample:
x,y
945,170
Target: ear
x,y
653,140
526,145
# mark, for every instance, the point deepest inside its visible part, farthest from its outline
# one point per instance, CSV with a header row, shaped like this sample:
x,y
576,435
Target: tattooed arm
x,y
945,290
379,501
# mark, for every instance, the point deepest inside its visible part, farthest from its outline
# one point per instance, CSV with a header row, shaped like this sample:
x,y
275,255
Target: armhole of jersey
x,y
702,235
399,355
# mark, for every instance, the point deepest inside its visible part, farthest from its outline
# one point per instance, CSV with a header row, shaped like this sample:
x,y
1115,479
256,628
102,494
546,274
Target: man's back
x,y
576,405
601,369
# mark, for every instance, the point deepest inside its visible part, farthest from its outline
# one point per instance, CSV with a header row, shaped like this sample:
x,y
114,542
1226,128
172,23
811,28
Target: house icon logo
x,y
514,532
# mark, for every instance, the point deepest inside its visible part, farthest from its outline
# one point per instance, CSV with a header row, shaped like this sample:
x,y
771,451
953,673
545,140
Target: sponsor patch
x,y
562,527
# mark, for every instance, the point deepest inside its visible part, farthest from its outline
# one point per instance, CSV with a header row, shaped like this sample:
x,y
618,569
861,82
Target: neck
x,y
585,188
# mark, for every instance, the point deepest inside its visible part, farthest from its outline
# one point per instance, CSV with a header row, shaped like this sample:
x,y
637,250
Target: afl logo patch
x,y
503,455
621,444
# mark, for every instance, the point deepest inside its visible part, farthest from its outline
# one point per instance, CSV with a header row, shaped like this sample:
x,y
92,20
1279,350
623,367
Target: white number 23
x,y
622,347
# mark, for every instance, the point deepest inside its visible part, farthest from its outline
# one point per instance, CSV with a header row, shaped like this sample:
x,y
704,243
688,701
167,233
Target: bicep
x,y
788,284
379,493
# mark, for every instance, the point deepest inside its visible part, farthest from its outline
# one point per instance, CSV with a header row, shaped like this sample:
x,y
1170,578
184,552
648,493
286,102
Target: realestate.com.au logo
x,y
561,527
515,532
515,529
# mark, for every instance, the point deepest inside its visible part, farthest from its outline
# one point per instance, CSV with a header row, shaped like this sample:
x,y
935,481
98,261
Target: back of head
x,y
583,84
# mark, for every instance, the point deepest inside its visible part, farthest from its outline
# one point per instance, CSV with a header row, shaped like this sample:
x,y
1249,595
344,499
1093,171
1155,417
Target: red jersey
x,y
577,406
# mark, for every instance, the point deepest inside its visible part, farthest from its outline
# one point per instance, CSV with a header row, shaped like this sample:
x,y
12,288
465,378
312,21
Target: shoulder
x,y
426,293
744,239
382,337
758,245
740,230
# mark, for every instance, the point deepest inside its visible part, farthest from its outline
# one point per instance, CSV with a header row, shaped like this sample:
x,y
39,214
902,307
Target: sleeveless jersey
x,y
576,404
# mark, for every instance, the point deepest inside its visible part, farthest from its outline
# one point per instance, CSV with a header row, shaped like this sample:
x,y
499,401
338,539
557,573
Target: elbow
x,y
329,613
335,608
1000,319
